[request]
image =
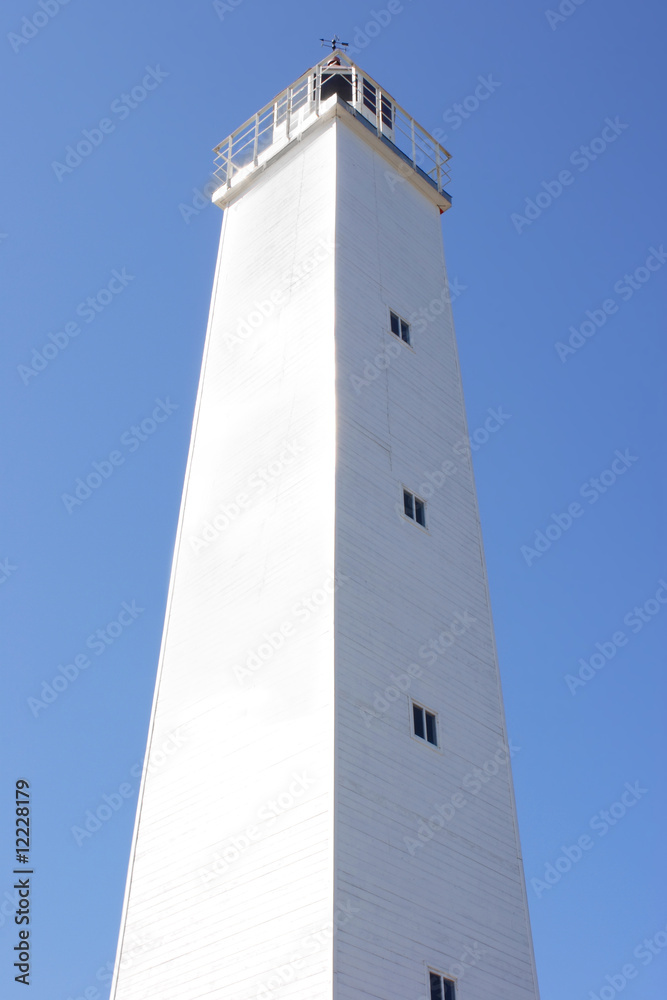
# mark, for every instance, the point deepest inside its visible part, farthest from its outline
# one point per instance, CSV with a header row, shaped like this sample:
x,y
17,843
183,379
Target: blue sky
x,y
558,222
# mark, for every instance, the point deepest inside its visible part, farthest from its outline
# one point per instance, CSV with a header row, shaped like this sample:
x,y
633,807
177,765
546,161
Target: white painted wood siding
x,y
189,932
323,899
400,414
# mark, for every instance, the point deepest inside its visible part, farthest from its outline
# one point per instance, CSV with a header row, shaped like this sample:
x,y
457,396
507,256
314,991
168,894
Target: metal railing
x,y
288,113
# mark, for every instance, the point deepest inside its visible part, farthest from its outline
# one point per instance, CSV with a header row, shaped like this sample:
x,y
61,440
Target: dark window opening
x,y
414,508
441,987
369,96
399,327
420,512
424,724
436,986
387,111
370,100
336,83
395,324
418,720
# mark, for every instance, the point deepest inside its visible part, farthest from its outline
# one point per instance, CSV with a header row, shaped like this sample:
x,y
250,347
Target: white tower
x,y
326,811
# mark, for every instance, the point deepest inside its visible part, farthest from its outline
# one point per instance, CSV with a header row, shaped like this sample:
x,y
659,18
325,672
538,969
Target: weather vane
x,y
334,42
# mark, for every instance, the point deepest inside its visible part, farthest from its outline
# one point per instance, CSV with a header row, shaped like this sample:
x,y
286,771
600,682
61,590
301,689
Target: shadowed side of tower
x,y
426,851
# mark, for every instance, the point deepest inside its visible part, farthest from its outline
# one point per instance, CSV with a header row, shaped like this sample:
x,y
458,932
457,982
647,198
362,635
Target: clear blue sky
x,y
551,87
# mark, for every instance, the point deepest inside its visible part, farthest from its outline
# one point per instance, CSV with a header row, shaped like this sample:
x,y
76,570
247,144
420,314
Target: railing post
x,y
414,148
229,162
288,112
438,169
378,110
318,89
256,143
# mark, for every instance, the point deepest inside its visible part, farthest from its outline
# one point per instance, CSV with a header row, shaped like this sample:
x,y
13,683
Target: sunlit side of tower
x,y
337,819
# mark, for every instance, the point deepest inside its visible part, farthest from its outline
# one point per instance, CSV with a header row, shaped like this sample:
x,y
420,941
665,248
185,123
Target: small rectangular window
x,y
418,721
441,987
369,96
399,327
424,724
395,324
436,986
414,507
420,512
387,111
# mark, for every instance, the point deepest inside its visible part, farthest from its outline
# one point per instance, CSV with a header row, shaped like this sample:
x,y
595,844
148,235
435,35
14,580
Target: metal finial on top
x,y
334,42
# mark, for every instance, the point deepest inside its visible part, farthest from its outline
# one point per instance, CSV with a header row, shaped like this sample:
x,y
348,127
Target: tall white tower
x,y
326,811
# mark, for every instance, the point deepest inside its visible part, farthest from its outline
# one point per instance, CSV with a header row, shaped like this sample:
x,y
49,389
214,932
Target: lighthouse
x,y
326,809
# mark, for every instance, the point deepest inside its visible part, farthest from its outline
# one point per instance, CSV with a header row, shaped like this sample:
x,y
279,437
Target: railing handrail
x,y
270,116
